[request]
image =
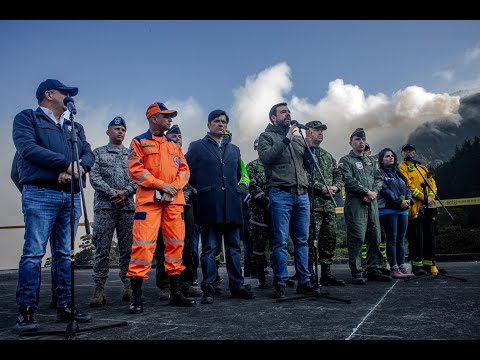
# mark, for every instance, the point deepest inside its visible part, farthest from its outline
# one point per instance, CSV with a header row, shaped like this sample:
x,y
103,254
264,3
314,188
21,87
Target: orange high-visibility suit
x,y
153,161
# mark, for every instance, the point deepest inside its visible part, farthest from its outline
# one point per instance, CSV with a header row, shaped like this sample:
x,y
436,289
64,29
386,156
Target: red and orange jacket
x,y
153,161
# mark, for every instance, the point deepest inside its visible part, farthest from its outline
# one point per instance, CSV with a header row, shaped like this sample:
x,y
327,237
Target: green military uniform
x,y
260,221
360,175
323,224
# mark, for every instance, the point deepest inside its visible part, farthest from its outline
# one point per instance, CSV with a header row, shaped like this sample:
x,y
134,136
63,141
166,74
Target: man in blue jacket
x,y
43,140
215,172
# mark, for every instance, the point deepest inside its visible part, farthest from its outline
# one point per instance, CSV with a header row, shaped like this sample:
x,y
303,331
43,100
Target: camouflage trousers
x,y
324,226
261,238
105,222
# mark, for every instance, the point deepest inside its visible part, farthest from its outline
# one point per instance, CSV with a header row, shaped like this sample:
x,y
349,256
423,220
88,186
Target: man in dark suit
x,y
215,172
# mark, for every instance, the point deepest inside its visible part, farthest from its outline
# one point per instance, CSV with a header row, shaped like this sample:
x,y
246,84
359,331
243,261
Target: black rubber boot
x,y
136,304
312,272
177,297
262,279
327,277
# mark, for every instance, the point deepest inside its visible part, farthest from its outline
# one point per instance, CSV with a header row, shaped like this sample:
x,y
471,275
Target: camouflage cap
x,y
316,124
358,132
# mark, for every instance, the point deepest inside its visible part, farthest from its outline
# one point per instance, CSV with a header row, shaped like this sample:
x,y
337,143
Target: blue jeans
x,y
211,239
290,213
46,214
395,226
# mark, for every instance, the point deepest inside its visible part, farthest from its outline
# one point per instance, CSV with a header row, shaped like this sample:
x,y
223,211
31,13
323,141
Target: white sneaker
x,y
396,273
404,270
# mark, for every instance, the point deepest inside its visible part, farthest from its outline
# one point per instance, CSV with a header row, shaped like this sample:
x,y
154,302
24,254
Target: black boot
x,y
136,304
327,278
177,297
312,272
262,279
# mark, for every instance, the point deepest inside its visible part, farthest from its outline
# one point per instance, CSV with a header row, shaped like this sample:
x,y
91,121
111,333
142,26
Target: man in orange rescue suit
x,y
158,166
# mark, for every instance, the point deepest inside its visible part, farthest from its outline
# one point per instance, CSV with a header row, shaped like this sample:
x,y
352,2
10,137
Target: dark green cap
x,y
316,124
359,132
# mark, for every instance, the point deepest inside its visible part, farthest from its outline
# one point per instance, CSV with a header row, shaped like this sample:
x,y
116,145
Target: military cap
x,y
316,124
358,132
174,129
118,121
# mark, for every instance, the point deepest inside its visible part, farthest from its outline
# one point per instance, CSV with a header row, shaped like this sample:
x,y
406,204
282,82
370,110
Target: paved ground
x,y
431,308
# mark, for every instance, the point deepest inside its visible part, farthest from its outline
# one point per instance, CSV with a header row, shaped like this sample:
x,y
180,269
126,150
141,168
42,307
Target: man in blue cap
x,y
42,138
114,209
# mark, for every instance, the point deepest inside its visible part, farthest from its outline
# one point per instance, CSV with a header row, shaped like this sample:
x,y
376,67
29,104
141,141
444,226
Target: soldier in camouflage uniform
x,y
323,224
260,221
363,182
114,209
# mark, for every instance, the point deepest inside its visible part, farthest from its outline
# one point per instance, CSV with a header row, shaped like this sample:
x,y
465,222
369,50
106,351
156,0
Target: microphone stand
x,y
317,292
72,326
425,218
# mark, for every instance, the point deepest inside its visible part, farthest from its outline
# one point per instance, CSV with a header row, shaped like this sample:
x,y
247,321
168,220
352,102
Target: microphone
x,y
413,160
70,104
300,126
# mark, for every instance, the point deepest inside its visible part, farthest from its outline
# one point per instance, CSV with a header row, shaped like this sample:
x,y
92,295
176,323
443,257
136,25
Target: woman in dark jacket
x,y
393,202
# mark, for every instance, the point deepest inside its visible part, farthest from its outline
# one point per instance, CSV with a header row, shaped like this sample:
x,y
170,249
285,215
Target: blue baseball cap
x,y
52,84
408,147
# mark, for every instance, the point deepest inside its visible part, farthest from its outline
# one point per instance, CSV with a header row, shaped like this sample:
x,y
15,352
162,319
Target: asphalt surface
x,y
430,308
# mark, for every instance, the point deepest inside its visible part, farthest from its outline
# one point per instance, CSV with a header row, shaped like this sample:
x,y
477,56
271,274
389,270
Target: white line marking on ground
x,y
371,311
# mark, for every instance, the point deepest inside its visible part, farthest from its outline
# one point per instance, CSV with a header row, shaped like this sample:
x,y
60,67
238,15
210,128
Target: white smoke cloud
x,y
387,121
253,101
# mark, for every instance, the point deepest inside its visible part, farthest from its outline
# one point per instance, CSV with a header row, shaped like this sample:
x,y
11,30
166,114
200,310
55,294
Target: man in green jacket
x,y
362,184
282,154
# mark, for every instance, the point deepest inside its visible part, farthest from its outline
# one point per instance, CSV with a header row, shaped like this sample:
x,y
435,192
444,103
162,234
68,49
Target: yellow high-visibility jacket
x,y
414,182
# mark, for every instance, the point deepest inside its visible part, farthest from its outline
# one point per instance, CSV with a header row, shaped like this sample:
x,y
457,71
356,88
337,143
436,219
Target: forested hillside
x,y
437,140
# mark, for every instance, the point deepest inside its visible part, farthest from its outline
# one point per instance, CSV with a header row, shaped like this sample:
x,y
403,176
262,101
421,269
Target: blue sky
x,y
386,76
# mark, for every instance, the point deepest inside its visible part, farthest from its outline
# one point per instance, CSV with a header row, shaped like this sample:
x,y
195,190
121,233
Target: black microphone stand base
x,y
317,294
435,273
73,328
